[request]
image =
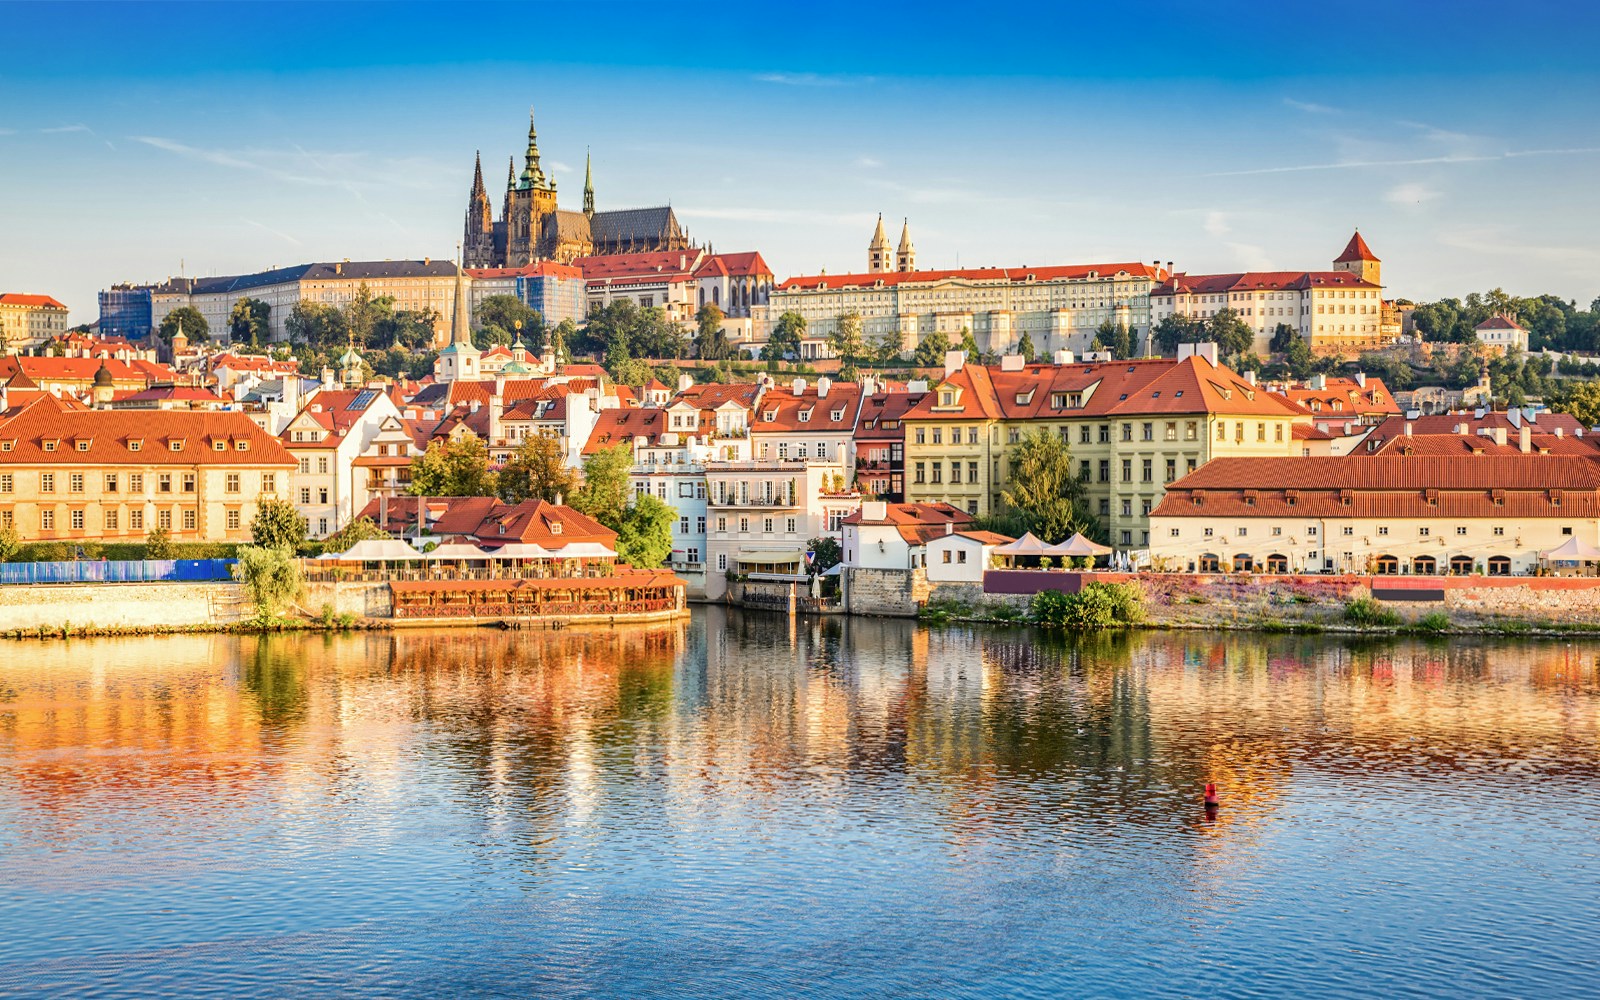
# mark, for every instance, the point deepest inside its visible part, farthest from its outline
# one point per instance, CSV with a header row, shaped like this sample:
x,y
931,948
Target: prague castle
x,y
532,227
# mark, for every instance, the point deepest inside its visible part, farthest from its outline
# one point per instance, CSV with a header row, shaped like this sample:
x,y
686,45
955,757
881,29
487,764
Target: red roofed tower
x,y
1358,258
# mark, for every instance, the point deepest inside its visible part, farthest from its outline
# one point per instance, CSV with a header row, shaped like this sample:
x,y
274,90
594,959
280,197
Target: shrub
x,y
1368,613
1096,606
1434,624
272,576
158,544
10,543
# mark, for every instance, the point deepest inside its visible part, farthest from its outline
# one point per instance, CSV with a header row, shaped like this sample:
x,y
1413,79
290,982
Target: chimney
x,y
499,385
1361,379
799,387
823,385
949,527
496,408
1500,436
874,510
1524,439
1408,428
1062,357
1250,377
685,381
1011,363
1319,382
953,362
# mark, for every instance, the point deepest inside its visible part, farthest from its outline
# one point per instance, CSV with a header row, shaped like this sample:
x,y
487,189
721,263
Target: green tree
x,y
405,328
562,337
158,544
363,313
277,524
248,322
1114,337
189,319
1045,489
846,340
10,542
784,341
1177,329
537,471
711,343
502,313
459,468
316,324
969,347
1229,333
1297,356
362,529
644,533
604,492
1582,401
931,350
825,553
1026,349
272,577
887,348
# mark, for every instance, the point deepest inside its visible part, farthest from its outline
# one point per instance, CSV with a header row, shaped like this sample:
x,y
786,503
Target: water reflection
x,y
750,778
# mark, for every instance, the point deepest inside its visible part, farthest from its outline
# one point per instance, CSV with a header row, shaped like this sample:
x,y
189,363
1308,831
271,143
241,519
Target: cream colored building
x,y
1058,307
1502,335
117,475
761,514
29,320
1336,311
414,285
1419,515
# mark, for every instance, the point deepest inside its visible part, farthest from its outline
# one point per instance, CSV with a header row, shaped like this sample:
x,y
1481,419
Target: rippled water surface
x,y
744,806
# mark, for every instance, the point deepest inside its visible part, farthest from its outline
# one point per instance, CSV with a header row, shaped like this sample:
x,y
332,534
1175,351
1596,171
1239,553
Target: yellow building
x,y
1131,426
28,320
116,475
1462,514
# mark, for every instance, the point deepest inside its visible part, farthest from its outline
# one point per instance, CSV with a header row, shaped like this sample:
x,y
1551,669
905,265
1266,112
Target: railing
x,y
529,609
314,574
118,571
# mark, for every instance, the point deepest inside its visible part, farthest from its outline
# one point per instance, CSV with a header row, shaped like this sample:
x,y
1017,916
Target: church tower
x,y
533,198
479,235
905,258
459,359
588,186
878,260
1359,259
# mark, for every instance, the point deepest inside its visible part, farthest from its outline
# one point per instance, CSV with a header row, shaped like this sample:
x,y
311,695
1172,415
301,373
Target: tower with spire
x,y
479,236
878,259
905,258
459,359
1359,259
588,186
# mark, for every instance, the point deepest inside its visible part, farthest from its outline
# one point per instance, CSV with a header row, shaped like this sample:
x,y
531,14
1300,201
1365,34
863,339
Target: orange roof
x,y
1068,272
1344,394
20,299
543,269
915,522
43,434
1498,323
1205,284
83,369
881,414
781,410
975,397
660,264
620,425
1356,249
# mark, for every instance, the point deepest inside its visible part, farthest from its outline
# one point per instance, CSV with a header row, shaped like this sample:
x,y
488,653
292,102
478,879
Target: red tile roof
x,y
1249,281
783,411
990,274
1355,250
82,369
660,264
738,265
619,426
1498,323
107,437
20,299
916,522
883,408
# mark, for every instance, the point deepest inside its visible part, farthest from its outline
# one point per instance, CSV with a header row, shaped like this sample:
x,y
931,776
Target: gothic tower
x,y
533,198
878,250
1358,258
479,236
588,186
905,258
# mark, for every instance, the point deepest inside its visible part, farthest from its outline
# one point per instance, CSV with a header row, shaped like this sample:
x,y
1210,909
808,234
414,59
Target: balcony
x,y
775,502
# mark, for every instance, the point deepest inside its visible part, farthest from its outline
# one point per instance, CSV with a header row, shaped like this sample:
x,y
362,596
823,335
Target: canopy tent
x,y
581,550
1079,545
773,557
456,550
519,550
1573,549
1027,545
376,550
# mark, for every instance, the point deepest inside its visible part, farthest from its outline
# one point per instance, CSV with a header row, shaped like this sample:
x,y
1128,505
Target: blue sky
x,y
1463,138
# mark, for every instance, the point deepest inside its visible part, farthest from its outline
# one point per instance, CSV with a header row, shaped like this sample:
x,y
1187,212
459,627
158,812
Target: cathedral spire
x,y
532,173
478,189
511,172
460,329
588,185
906,255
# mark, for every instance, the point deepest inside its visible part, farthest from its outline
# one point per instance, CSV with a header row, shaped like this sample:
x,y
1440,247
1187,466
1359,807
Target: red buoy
x,y
1211,795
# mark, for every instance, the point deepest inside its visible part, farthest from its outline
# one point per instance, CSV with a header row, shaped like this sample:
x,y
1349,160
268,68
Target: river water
x,y
743,805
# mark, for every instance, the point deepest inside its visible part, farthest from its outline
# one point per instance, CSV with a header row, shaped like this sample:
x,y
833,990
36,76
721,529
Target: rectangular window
x,y
722,560
1147,432
722,524
232,483
1127,508
1424,532
1499,529
269,482
1222,431
305,495
1190,431
188,520
1083,434
972,435
1461,529
136,519
164,482
1172,431
744,524
322,464
1105,508
1173,532
164,520
917,474
972,472
135,482
1347,531
1127,470
683,525
918,435
47,482
1242,532
1127,538
766,525
8,482
111,482
955,472
1084,471
1147,470
109,519
938,472
75,519
47,520
1172,469
1261,431
790,525
1105,470
699,525
946,554
1127,432
1383,529
232,520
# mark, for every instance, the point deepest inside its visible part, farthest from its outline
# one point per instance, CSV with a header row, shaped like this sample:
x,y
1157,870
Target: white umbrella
x,y
1027,545
1079,545
378,550
456,550
1573,549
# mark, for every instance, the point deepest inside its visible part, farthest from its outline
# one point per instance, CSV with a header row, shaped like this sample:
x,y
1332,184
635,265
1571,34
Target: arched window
x,y
1460,565
1210,564
1499,566
1424,566
1244,563
1277,563
716,295
1386,565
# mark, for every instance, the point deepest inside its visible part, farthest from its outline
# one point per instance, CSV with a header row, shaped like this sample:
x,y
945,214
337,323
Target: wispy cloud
x,y
1250,256
557,166
868,162
1312,108
1216,223
8,131
1495,242
276,232
347,171
778,216
1410,194
1410,162
813,79
58,129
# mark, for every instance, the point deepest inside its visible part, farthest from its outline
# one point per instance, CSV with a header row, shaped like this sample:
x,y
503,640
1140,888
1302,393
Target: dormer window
x,y
48,445
947,398
83,444
555,527
769,415
805,416
1024,398
135,444
219,446
245,446
7,445
176,444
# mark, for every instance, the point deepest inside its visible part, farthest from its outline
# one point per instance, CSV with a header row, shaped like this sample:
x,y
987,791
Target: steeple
x,y
460,327
588,185
878,250
478,190
511,173
905,258
1359,259
532,173
479,231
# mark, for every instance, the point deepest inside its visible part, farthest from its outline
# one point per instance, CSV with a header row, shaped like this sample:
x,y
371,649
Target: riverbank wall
x,y
112,606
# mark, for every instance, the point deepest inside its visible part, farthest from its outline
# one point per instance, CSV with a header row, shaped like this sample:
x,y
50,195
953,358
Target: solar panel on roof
x,y
363,399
